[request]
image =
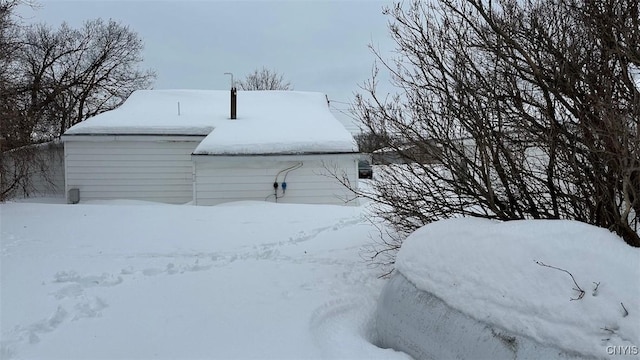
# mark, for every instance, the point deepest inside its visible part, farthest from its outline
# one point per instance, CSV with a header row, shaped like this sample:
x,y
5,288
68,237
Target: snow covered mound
x,y
518,276
425,327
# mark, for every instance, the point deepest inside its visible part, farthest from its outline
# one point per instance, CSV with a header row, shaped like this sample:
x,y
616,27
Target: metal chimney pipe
x,y
234,97
234,102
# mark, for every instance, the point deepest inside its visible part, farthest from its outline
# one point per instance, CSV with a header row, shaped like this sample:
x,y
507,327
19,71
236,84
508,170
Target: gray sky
x,y
317,45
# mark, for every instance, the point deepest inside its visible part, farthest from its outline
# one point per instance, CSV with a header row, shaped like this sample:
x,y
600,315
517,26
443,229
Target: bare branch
x,y
626,312
507,110
577,288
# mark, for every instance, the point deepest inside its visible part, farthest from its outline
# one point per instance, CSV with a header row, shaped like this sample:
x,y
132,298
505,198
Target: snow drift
x,y
516,280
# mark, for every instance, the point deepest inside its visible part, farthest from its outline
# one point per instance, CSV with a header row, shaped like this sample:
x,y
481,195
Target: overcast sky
x,y
317,45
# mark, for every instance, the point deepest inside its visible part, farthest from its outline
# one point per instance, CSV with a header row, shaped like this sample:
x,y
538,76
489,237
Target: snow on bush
x,y
519,275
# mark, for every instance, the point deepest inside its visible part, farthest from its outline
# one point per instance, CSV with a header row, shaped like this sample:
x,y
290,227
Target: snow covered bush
x,y
477,288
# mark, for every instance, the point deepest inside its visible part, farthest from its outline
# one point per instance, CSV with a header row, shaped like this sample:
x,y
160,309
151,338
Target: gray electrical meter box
x,y
73,196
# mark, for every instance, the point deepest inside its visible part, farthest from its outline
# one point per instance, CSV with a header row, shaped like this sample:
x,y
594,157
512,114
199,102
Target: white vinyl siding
x,y
36,170
51,180
222,179
154,170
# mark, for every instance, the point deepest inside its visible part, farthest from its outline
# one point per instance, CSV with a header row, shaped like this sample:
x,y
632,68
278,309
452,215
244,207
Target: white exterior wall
x,y
35,170
152,168
220,179
50,181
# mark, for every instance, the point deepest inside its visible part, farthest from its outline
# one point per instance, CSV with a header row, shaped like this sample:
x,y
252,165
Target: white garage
x,y
177,146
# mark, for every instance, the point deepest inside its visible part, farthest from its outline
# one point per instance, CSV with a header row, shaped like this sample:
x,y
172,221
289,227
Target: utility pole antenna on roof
x,y
233,84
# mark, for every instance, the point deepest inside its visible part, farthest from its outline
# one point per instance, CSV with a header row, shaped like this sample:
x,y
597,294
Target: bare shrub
x,y
529,110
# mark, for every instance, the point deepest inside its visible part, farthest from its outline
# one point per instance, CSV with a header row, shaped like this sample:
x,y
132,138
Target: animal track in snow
x,y
73,287
30,334
90,308
172,269
78,283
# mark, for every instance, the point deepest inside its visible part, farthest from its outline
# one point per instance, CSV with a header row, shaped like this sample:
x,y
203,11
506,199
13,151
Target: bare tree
x,y
264,79
369,142
69,75
530,109
9,43
52,79
8,31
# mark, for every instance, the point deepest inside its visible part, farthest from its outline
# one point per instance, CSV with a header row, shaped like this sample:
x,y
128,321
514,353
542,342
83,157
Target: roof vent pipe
x,y
234,100
234,97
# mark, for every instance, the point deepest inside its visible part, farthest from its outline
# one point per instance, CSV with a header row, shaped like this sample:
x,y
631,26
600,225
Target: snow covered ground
x,y
125,279
118,280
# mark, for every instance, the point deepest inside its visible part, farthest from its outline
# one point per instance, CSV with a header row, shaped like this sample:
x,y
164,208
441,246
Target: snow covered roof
x,y
155,112
268,122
